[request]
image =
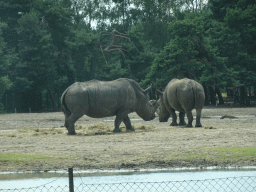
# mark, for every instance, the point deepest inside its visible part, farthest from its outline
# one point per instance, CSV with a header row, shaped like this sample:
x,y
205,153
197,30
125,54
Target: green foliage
x,y
183,56
112,70
82,46
5,82
234,37
45,46
37,54
141,53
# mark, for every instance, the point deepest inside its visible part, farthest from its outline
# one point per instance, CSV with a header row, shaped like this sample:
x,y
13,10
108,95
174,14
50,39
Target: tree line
x,y
45,46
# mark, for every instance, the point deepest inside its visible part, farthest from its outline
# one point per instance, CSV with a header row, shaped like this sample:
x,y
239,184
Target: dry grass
x,y
99,128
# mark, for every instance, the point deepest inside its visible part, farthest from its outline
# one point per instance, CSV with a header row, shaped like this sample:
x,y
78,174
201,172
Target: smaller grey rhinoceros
x,y
104,99
182,95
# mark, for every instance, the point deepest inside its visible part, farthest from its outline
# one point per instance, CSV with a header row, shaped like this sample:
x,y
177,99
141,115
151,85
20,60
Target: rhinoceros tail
x,y
63,103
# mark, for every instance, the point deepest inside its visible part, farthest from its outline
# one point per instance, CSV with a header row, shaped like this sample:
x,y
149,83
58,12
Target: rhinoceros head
x,y
162,112
147,109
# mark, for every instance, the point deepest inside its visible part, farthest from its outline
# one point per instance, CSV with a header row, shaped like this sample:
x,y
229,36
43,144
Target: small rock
x,y
228,116
210,127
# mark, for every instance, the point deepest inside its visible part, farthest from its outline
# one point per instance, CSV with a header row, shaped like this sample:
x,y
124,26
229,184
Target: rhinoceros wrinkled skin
x,y
182,95
104,99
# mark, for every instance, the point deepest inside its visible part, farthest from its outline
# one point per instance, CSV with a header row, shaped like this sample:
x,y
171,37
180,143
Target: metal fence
x,y
232,184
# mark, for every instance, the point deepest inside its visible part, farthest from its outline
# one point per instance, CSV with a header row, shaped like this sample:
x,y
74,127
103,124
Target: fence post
x,y
71,181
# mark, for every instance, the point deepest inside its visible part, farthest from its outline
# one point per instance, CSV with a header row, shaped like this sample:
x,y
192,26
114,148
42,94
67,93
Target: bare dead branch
x,y
116,43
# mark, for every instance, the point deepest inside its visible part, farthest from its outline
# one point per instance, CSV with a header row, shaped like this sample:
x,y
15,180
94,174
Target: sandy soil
x,y
152,145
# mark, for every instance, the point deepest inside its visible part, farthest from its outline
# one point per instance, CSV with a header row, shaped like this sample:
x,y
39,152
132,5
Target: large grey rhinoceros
x,y
104,99
182,95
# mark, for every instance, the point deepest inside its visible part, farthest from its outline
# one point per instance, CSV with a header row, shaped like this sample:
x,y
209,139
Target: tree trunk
x,y
231,92
31,100
253,93
228,91
248,97
217,90
212,95
242,95
250,91
236,94
206,102
52,100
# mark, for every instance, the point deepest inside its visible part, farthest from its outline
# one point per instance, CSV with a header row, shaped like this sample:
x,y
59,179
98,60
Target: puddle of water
x,y
55,179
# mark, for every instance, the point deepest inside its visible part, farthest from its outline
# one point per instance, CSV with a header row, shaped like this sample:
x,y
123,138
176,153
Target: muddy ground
x,y
152,145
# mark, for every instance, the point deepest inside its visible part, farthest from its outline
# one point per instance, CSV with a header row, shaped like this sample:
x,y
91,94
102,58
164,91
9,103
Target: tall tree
x,y
184,55
10,12
5,82
237,38
36,69
56,18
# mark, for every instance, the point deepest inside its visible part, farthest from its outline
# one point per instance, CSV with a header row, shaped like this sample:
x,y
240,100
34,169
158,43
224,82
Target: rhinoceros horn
x,y
148,89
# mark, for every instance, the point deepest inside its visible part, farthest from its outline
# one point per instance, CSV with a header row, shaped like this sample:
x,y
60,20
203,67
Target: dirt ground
x,y
152,145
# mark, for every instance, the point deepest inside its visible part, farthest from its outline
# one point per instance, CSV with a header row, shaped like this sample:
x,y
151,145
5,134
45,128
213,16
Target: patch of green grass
x,y
243,153
224,94
20,159
219,154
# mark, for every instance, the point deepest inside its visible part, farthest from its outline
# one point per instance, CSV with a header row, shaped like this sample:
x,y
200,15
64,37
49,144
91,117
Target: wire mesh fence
x,y
232,184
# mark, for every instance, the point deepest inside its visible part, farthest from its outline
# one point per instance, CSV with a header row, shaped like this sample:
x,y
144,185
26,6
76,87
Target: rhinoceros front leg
x,y
181,117
198,116
128,124
120,116
190,118
174,118
117,124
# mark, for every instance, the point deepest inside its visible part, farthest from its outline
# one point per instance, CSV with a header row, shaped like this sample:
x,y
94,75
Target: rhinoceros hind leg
x,y
182,123
70,123
174,118
198,116
190,119
181,117
174,124
128,124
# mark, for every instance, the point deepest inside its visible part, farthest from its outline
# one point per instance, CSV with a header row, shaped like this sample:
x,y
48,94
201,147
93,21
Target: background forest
x,y
46,45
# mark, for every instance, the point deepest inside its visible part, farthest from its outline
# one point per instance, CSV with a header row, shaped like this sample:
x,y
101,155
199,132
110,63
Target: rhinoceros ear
x,y
148,89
